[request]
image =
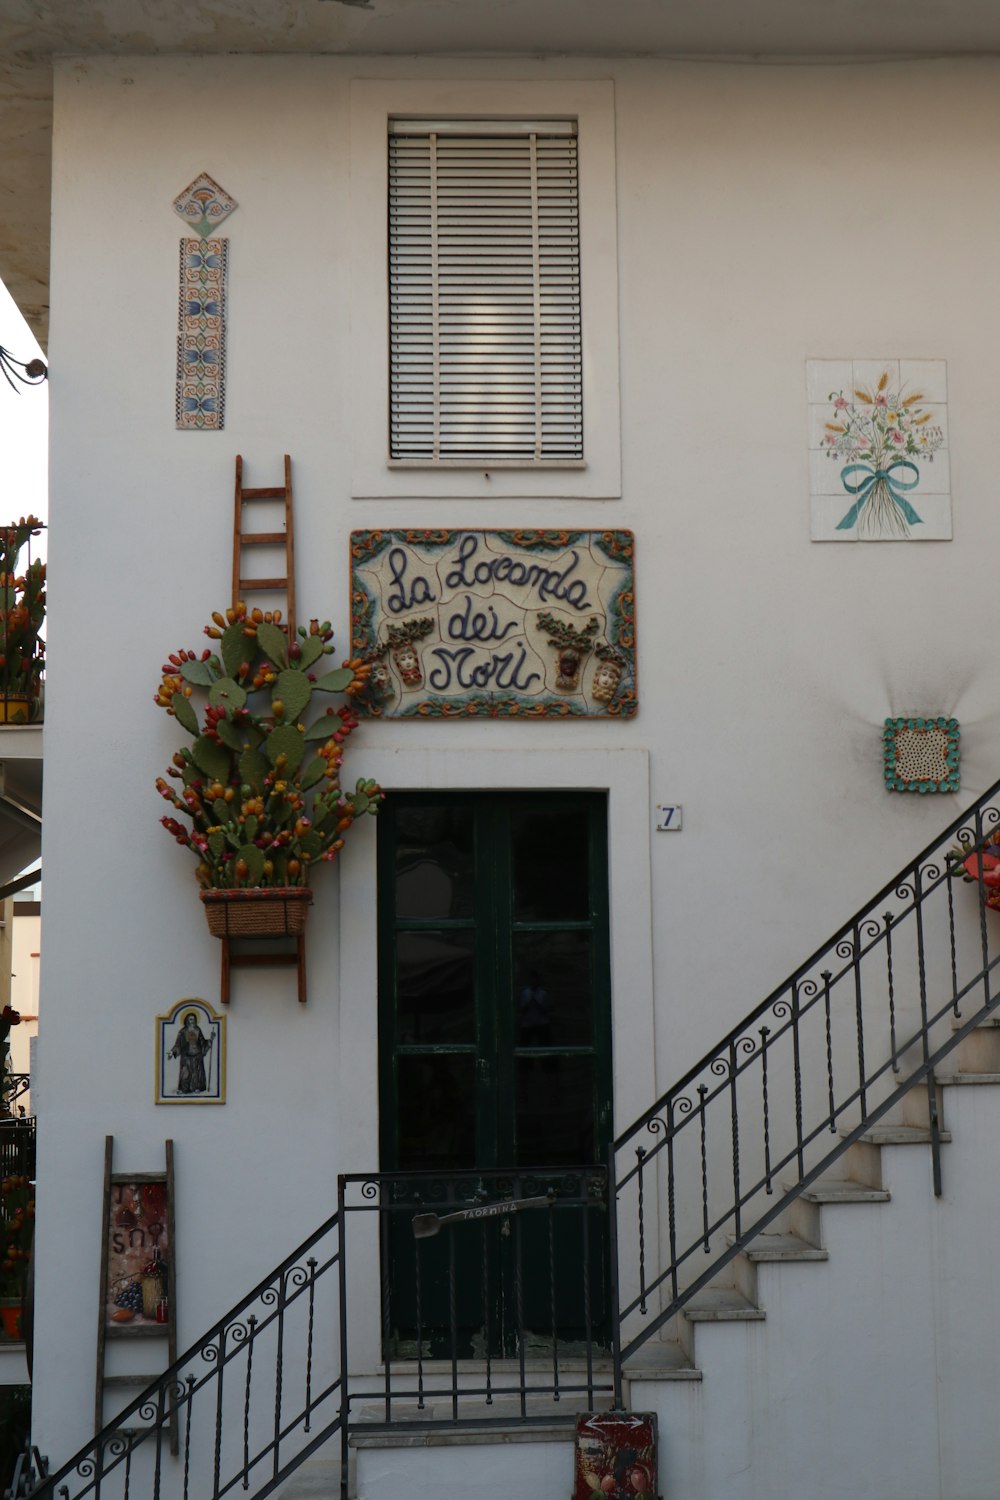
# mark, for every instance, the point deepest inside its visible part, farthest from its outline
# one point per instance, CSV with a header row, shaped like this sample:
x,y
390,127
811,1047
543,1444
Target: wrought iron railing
x,y
17,1146
500,1309
856,1028
13,1088
473,1323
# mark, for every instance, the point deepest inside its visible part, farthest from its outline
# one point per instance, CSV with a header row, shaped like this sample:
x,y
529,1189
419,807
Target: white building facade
x,y
757,240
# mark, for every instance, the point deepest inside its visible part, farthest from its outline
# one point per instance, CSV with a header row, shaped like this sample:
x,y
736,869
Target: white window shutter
x,y
484,276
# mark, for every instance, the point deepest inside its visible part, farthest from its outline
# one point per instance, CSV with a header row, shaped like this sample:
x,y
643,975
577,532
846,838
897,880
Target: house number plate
x,y
503,624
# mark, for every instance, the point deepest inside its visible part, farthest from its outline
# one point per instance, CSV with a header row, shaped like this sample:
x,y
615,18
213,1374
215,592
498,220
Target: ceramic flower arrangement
x,y
877,434
22,614
260,781
981,864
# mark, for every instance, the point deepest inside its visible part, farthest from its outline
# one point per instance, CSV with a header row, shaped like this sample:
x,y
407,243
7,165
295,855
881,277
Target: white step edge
x,y
842,1190
722,1305
948,1079
782,1247
902,1135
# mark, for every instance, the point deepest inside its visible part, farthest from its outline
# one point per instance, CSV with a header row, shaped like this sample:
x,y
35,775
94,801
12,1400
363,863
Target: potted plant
x,y
17,1223
259,783
22,613
980,864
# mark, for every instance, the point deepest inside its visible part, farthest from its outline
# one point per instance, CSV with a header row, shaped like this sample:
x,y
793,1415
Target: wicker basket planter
x,y
275,911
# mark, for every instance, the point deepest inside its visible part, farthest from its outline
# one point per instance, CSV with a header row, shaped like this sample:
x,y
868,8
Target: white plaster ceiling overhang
x,y
33,32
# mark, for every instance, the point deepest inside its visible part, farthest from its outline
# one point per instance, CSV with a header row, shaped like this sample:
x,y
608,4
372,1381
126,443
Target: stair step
x,y
782,1247
660,1361
902,1135
991,1023
723,1305
843,1191
960,1078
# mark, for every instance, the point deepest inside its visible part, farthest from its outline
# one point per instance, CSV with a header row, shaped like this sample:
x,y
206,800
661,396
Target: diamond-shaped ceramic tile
x,y
204,205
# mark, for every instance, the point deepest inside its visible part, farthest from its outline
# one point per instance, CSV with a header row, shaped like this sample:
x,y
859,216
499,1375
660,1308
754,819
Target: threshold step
x,y
723,1305
782,1247
902,1135
947,1079
843,1191
445,1437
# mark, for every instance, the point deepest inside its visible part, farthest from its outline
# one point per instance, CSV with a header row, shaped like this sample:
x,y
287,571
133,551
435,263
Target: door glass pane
x,y
553,986
435,987
550,865
555,1110
437,1119
434,853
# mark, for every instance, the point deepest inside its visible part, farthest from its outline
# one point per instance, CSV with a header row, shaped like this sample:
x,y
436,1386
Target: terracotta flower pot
x,y
261,911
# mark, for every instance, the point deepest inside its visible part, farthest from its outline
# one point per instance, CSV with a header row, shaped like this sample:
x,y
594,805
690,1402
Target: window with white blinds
x,y
484,278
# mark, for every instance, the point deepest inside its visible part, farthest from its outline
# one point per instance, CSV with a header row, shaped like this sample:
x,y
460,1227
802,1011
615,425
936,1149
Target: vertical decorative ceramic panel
x,y
878,450
201,335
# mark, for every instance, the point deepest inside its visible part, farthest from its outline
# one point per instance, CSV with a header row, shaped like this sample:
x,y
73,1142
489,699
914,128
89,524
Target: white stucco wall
x,y
765,216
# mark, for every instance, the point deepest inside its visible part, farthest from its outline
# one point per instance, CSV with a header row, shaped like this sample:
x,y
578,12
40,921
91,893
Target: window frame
x,y
375,474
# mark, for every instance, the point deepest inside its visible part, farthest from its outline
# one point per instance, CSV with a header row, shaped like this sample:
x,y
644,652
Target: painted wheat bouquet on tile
x,y
880,432
260,781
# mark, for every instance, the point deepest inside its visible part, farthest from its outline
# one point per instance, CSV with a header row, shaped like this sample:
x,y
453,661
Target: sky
x,y
24,426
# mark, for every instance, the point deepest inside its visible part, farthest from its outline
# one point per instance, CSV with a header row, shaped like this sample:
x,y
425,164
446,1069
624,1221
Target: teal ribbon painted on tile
x,y
864,487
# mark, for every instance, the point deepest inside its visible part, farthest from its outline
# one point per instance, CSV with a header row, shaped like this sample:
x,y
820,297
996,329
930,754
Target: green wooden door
x,y
495,1049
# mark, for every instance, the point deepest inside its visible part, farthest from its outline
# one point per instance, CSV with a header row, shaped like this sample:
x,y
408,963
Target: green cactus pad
x,y
217,844
221,809
294,690
254,860
361,802
230,735
314,771
324,726
212,758
199,673
184,713
287,741
334,682
250,828
226,693
253,768
311,844
237,648
274,643
311,650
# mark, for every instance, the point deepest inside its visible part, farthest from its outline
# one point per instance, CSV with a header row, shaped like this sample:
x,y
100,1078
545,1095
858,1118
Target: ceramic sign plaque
x,y
528,624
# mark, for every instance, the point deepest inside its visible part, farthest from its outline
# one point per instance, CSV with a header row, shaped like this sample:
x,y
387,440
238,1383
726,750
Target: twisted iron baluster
x,y
128,1468
279,1368
702,1092
185,1490
797,1066
860,1019
417,1280
735,1125
220,1368
768,1184
826,976
640,1152
252,1325
951,938
671,1200
311,1263
887,919
486,1314
587,1331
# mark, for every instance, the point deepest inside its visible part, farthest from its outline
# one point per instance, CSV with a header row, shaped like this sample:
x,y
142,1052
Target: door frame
x,y
624,776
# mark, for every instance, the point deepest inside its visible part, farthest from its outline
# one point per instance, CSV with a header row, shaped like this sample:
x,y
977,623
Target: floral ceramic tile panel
x,y
879,467
501,624
201,336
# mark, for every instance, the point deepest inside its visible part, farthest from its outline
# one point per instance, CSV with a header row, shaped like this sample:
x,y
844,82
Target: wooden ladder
x,y
286,539
235,958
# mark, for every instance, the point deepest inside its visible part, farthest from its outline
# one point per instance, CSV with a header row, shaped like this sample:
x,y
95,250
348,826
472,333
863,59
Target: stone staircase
x,y
839,1353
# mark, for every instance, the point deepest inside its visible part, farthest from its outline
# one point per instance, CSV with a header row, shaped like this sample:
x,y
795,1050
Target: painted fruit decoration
x,y
571,646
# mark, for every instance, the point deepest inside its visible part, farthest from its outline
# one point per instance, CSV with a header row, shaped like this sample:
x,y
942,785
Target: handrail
x,y
831,1051
760,1010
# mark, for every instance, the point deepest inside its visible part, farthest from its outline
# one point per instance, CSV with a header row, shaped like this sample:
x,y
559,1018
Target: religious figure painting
x,y
191,1055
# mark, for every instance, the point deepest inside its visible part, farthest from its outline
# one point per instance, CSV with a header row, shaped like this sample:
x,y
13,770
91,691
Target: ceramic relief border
x,y
879,467
201,335
921,755
500,624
